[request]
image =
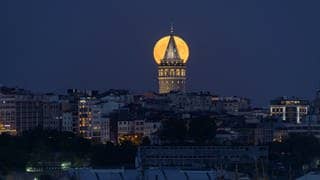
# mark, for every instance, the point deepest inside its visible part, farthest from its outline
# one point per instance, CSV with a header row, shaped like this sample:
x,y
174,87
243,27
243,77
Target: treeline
x,y
197,131
17,152
297,154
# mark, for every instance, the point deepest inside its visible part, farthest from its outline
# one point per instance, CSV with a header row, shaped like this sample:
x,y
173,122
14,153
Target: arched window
x,y
178,72
160,72
183,73
166,72
171,72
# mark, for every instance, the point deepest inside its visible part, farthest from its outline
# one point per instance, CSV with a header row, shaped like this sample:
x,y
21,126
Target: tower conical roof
x,y
172,54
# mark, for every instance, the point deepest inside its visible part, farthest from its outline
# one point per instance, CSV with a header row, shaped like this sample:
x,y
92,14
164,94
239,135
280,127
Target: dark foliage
x,y
200,130
38,145
173,130
109,155
296,150
146,141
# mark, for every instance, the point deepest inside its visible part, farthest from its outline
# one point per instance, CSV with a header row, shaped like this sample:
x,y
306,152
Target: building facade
x,y
8,111
231,104
289,109
190,102
66,125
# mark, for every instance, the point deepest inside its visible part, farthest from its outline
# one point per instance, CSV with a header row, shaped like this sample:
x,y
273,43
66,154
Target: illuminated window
x,y
183,73
171,72
178,72
166,72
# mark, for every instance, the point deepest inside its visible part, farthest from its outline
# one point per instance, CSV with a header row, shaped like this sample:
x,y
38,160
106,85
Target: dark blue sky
x,y
259,49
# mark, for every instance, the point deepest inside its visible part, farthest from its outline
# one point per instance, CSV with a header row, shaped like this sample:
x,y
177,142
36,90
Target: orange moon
x,y
159,49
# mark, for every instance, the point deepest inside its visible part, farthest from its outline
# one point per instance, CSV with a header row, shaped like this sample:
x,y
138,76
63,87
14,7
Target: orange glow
x,y
161,46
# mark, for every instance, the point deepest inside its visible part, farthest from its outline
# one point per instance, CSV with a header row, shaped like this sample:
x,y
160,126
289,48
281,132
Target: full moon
x,y
161,46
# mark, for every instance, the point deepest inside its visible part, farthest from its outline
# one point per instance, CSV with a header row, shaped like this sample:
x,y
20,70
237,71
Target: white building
x,y
131,130
289,109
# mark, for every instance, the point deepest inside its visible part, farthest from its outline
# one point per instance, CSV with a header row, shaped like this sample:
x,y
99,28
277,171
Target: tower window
x,y
171,72
166,72
183,72
160,72
178,72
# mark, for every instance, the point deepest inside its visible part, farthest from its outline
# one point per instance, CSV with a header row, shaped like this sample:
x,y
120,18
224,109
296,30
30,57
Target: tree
x,y
39,146
45,177
173,131
146,141
202,130
296,150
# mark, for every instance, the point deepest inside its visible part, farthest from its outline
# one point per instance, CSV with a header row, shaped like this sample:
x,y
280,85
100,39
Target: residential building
x,y
284,130
67,122
52,112
151,126
131,130
232,104
29,112
8,111
71,104
85,115
190,102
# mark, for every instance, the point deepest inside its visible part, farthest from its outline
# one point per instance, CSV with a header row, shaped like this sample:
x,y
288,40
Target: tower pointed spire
x,y
171,28
172,54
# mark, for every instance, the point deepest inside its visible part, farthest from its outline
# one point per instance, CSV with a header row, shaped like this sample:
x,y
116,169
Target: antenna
x,y
171,28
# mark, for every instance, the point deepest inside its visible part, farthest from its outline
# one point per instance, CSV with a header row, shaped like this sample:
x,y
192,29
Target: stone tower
x,y
172,68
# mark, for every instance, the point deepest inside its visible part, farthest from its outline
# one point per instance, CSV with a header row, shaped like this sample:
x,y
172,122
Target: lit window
x,y
183,72
171,72
166,72
178,72
161,72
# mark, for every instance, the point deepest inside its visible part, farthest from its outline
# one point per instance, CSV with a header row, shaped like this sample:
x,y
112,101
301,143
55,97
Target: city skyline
x,y
258,50
159,90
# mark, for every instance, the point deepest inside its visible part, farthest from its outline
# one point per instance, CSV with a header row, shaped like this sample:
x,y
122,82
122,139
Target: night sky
x,y
258,49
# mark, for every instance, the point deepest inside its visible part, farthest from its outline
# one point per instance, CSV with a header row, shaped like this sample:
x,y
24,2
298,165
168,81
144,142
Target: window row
x,y
172,72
